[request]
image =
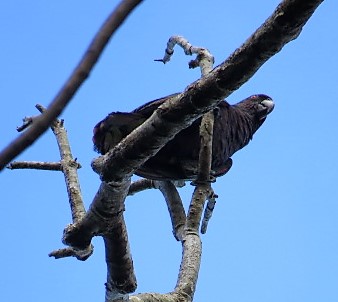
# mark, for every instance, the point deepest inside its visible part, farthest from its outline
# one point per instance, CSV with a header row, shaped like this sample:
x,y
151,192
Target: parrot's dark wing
x,y
117,125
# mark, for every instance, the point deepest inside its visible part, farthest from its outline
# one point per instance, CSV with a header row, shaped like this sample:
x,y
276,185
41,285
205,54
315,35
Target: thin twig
x,y
204,59
82,254
38,165
26,122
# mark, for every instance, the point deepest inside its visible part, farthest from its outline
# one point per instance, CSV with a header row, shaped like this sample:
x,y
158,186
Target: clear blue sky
x,y
274,233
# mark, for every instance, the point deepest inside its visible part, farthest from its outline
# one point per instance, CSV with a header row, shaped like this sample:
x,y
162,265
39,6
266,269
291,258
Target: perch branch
x,y
78,76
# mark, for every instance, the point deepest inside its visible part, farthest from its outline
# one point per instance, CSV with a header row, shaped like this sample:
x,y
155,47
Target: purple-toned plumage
x,y
233,129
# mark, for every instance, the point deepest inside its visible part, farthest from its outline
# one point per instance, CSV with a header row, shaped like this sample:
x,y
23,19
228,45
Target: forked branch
x,y
68,165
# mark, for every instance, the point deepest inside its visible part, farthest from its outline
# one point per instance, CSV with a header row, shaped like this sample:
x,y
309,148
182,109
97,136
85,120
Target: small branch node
x,y
27,121
159,60
40,108
204,58
82,255
97,164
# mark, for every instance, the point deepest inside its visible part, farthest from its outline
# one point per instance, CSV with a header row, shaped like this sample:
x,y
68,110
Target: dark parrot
x,y
234,127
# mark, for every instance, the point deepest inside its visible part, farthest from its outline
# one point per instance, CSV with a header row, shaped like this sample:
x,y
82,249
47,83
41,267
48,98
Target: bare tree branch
x,y
78,76
191,244
82,254
175,208
121,278
105,218
141,185
107,205
155,297
185,228
26,122
204,59
145,184
69,167
38,165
